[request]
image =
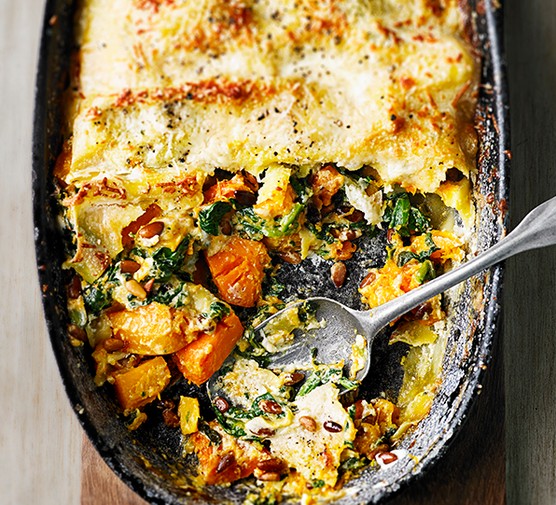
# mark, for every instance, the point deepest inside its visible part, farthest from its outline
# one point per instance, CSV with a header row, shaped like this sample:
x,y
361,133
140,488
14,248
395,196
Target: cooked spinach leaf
x,y
173,295
286,224
96,298
214,437
257,228
167,262
98,295
217,311
323,376
354,463
401,216
426,272
210,217
230,425
406,256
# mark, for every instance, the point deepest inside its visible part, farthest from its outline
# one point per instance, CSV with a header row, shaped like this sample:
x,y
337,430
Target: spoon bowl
x,y
333,340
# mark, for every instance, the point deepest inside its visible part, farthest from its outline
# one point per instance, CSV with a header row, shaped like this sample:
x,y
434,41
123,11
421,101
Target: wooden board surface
x,y
530,288
42,458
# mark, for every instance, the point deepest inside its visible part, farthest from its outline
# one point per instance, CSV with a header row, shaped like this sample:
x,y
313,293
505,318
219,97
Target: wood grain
x,y
530,301
39,434
99,485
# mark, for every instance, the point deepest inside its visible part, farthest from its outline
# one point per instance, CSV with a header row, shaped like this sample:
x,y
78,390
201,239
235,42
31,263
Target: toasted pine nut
x,y
387,457
221,404
74,288
332,427
226,462
273,465
129,266
136,289
148,286
271,407
269,477
151,229
77,332
308,423
112,344
294,378
264,432
338,273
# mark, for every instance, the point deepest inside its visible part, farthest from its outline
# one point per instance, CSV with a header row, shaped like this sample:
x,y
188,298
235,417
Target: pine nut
x,y
264,432
148,286
387,457
270,407
332,427
74,288
129,266
273,465
294,378
136,289
221,404
77,332
152,229
369,279
113,344
269,477
226,462
338,274
308,423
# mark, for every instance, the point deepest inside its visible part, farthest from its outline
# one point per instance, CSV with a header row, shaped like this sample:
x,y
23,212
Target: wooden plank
x,y
39,434
99,485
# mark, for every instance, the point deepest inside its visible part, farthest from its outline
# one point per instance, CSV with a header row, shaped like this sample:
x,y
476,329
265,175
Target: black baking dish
x,y
469,349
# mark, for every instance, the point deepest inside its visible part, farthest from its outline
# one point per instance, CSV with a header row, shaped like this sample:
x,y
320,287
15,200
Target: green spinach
x,y
210,217
401,216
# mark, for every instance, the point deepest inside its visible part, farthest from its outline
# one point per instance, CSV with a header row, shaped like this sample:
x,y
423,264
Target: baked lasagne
x,y
212,146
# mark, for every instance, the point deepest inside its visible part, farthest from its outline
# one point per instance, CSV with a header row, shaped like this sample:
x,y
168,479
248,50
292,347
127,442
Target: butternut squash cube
x,y
237,267
189,413
142,384
152,329
199,360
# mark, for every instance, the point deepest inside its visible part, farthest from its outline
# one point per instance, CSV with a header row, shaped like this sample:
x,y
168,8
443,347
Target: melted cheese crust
x,y
178,87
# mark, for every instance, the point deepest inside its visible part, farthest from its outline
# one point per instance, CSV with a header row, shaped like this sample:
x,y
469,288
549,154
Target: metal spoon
x,y
333,341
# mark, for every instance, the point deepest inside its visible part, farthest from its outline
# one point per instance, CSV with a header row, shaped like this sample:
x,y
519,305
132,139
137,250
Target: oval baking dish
x,y
149,460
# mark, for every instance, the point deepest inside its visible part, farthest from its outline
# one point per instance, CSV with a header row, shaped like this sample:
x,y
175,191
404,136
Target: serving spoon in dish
x,y
333,341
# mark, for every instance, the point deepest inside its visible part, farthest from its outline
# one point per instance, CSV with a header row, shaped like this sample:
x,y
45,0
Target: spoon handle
x,y
536,230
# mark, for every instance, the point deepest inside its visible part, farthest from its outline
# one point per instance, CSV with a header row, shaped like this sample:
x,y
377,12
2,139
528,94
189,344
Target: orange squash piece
x,y
231,460
326,183
142,384
151,329
237,267
224,190
200,359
